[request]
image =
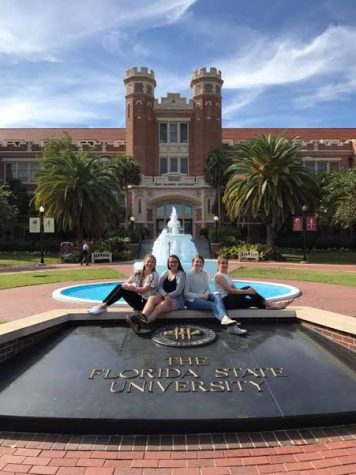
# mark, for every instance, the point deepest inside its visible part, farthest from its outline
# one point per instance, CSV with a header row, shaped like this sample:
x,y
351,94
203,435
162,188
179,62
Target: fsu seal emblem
x,y
183,335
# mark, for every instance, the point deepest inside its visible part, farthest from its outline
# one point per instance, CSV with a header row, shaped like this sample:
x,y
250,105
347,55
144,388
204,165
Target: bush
x,y
118,246
226,235
265,253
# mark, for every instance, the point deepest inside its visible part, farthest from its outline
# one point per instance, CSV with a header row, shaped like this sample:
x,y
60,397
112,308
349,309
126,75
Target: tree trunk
x,y
269,235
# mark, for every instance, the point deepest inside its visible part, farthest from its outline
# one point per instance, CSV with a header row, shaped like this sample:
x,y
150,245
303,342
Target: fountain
x,y
173,241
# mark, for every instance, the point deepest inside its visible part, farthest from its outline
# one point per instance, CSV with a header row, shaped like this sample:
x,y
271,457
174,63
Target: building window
x,y
322,166
208,206
163,133
139,207
183,132
173,135
173,165
163,167
173,132
184,165
23,171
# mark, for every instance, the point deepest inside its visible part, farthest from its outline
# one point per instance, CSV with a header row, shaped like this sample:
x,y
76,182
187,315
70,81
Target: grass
x,y
324,277
24,259
22,279
322,257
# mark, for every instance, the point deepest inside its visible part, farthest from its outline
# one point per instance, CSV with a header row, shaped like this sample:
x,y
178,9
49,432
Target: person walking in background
x,y
169,296
199,297
85,254
235,298
136,290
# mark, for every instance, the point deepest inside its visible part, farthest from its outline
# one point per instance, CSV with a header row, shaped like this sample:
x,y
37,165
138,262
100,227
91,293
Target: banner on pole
x,y
48,225
297,223
34,225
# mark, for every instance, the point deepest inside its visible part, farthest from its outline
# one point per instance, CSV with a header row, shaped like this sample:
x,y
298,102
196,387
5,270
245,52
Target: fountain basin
x,y
96,292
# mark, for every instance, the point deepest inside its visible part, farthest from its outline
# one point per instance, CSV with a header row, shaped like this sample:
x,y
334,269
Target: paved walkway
x,y
320,450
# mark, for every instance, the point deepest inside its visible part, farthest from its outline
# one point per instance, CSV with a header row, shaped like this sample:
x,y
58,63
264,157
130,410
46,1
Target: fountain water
x,y
173,241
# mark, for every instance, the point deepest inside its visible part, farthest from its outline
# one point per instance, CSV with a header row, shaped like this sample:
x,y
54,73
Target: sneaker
x,y
133,322
97,310
279,305
227,321
235,330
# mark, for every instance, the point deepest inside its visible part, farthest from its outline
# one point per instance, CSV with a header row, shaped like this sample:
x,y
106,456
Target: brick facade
x,y
170,138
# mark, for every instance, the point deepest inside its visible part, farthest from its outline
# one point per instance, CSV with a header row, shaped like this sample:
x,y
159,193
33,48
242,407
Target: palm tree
x,y
215,166
267,179
126,171
77,190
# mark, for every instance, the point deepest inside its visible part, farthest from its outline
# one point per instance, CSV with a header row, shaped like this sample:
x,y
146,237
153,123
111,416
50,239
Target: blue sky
x,y
285,63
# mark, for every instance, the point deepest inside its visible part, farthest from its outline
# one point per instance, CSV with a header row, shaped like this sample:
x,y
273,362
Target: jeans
x,y
214,303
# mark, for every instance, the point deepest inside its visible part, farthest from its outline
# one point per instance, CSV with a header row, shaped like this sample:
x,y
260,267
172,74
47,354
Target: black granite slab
x,y
105,378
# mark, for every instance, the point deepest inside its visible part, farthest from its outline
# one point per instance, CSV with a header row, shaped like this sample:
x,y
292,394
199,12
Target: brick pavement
x,y
305,451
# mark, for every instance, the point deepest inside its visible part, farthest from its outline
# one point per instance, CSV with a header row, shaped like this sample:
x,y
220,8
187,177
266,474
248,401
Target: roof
x,y
37,135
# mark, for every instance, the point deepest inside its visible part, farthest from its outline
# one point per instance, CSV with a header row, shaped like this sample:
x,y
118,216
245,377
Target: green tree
x,y
77,190
215,166
8,209
338,202
267,179
127,172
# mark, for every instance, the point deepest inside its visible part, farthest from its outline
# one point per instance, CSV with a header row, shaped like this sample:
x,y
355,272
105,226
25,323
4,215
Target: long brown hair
x,y
140,273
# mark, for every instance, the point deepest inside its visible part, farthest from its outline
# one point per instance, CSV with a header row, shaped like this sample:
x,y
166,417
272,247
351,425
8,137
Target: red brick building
x,y
170,138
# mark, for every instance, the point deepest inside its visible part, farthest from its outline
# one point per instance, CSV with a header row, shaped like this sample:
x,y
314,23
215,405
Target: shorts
x,y
179,302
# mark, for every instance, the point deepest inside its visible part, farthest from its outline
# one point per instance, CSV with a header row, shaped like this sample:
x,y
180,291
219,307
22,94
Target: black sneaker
x,y
132,321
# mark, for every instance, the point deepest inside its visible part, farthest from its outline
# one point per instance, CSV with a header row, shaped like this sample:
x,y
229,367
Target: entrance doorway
x,y
184,213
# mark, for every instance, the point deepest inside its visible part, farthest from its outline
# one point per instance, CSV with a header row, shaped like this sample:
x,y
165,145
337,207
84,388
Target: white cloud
x,y
280,61
41,28
325,67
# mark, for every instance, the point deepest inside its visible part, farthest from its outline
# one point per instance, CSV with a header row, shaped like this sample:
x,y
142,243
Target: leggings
x,y
136,301
234,301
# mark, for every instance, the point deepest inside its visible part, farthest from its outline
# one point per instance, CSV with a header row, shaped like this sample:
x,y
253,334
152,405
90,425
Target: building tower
x,y
141,130
206,128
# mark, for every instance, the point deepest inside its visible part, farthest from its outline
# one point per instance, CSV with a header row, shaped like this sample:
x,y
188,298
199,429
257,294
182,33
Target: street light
x,y
304,209
216,219
41,210
132,220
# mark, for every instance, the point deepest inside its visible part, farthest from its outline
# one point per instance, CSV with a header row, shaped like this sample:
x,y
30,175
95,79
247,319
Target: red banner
x,y
311,223
297,223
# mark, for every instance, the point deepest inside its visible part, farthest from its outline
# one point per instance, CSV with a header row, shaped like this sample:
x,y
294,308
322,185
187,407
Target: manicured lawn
x,y
322,257
21,279
325,277
24,259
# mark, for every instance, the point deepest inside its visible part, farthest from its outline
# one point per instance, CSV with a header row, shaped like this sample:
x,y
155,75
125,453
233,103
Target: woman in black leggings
x,y
234,298
136,290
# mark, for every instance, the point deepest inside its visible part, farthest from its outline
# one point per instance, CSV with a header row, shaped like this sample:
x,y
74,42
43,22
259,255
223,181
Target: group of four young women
x,y
150,295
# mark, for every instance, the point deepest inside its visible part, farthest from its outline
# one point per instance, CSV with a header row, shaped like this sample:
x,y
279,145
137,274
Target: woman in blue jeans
x,y
198,296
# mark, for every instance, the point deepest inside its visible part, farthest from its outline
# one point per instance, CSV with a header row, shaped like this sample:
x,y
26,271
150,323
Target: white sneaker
x,y
237,331
97,310
227,321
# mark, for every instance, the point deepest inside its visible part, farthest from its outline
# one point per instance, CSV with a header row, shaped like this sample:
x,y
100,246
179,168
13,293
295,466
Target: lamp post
x,y
42,210
132,221
304,209
216,219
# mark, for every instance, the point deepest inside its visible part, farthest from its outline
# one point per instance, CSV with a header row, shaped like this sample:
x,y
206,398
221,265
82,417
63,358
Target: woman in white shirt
x,y
234,298
169,296
136,290
198,296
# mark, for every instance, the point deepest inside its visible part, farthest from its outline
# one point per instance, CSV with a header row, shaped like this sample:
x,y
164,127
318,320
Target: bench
x,y
248,256
101,256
